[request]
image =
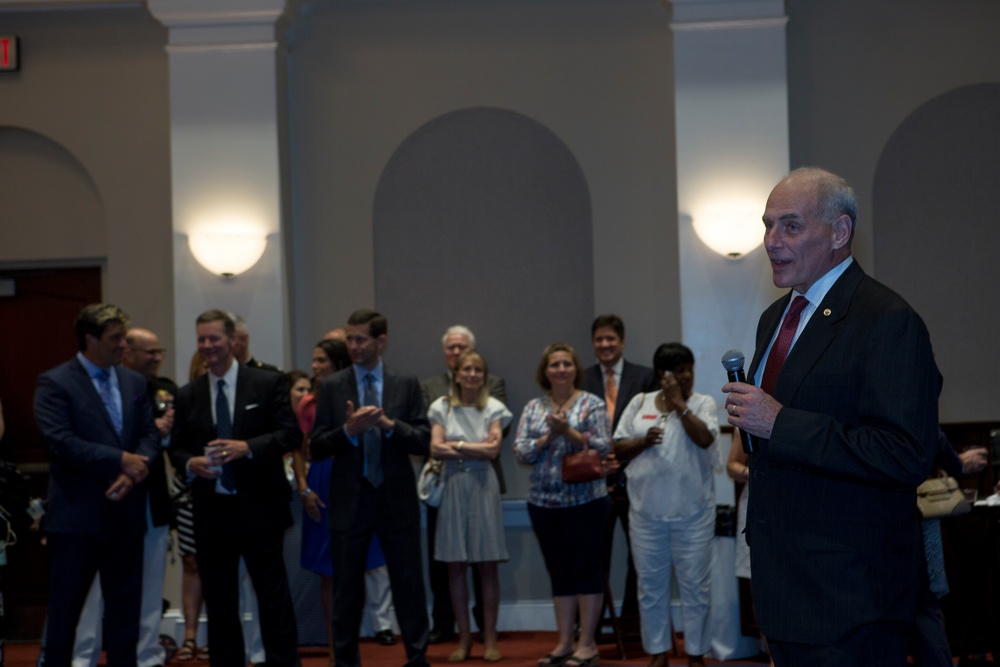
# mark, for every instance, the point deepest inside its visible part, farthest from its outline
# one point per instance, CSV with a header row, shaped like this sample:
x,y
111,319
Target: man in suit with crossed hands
x,y
97,423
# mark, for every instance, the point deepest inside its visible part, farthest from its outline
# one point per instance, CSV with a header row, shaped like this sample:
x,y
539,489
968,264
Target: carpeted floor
x,y
521,649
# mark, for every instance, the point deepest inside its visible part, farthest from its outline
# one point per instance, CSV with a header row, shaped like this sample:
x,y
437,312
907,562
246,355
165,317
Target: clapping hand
x,y
361,419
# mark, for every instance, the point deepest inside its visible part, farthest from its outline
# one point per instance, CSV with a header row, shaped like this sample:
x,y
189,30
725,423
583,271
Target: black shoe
x,y
385,638
438,636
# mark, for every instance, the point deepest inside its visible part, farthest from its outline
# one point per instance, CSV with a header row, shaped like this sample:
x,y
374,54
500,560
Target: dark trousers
x,y
398,530
442,615
870,645
619,512
929,645
222,537
74,560
570,539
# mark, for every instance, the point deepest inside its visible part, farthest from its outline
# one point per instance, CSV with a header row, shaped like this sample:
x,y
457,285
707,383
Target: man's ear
x,y
842,229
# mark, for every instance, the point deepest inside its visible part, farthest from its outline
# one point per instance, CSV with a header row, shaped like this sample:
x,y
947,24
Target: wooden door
x,y
36,333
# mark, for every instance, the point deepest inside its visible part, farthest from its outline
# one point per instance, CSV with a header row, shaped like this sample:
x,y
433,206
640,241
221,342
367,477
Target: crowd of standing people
x,y
834,439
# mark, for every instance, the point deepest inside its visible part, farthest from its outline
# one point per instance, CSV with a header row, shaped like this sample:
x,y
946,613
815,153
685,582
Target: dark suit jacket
x,y
636,379
85,451
832,522
435,387
160,507
263,417
402,402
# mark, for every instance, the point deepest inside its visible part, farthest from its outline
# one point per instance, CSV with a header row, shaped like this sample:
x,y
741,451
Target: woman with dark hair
x,y
568,518
669,438
191,595
466,430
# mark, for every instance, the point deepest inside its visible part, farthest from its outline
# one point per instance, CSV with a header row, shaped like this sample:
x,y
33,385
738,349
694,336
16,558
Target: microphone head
x,y
733,360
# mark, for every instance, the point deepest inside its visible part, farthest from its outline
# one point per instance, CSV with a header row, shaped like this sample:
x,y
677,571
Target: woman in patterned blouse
x,y
568,519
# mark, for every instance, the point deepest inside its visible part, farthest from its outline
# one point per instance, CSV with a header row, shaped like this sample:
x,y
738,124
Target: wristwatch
x,y
305,493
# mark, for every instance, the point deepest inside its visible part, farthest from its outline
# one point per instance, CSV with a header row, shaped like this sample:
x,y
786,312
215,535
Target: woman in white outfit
x,y
669,438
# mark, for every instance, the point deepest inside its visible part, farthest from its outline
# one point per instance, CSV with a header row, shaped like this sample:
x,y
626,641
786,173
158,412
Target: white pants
x,y
87,649
378,599
658,547
253,643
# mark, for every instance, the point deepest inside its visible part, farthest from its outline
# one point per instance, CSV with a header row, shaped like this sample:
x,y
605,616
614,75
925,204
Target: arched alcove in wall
x,y
43,187
936,236
482,217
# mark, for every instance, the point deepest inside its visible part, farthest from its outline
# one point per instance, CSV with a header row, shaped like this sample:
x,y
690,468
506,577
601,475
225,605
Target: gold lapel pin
x,y
827,312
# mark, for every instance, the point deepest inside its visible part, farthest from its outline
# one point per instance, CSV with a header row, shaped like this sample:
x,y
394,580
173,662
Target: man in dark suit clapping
x,y
370,420
232,426
617,381
97,423
846,416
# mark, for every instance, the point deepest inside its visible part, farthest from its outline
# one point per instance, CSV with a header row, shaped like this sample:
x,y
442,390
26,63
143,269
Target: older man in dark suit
x,y
845,410
370,420
617,381
97,423
232,427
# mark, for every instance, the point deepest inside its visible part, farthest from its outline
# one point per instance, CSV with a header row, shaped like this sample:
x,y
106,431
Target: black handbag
x,y
726,520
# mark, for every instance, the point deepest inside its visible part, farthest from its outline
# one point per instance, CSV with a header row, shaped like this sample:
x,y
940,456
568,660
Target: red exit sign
x,y
8,53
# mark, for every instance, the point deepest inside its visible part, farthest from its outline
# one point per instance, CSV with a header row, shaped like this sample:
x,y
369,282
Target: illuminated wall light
x,y
227,253
731,233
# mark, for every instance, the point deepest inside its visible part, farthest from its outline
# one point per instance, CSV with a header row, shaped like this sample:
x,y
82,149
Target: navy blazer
x,y
85,450
403,403
832,522
635,380
263,417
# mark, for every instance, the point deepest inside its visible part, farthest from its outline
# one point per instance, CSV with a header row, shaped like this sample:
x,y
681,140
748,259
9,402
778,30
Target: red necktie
x,y
782,344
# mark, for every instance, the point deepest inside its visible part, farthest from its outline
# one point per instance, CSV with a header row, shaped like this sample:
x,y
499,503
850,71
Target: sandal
x,y
203,653
553,660
187,651
575,661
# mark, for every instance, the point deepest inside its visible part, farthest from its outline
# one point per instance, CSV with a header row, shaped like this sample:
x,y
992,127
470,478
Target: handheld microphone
x,y
732,361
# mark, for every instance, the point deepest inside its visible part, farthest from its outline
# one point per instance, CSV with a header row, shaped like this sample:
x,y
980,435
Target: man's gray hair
x,y
239,324
459,330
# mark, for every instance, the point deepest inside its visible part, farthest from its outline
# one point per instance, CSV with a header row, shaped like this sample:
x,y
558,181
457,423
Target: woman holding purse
x,y
466,430
568,517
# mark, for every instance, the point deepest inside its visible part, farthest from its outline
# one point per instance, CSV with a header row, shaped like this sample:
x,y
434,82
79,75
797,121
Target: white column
x,y
226,162
732,147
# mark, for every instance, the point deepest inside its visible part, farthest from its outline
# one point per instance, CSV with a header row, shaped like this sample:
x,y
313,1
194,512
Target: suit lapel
x,y
240,401
87,388
351,390
203,406
817,335
388,388
624,389
128,407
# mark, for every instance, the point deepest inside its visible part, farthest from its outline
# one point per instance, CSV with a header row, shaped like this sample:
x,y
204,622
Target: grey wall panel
x,y
935,198
482,217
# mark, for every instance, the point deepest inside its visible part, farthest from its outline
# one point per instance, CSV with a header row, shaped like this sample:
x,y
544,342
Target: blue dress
x,y
316,555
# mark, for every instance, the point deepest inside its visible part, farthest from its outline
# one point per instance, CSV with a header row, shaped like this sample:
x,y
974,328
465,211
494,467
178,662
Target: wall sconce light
x,y
731,233
227,253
